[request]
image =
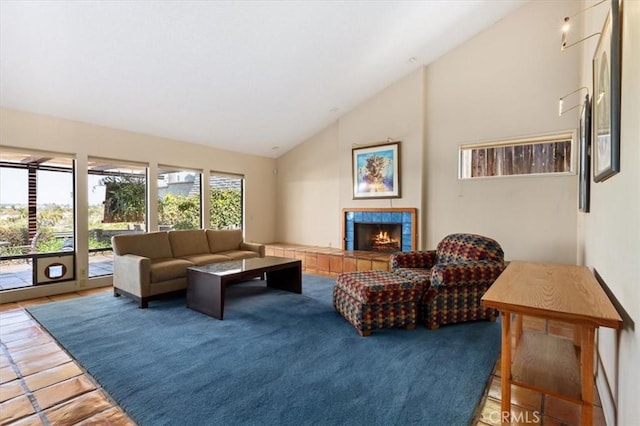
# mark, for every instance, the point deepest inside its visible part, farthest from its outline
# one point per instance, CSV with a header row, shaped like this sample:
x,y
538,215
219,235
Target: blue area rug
x,y
278,358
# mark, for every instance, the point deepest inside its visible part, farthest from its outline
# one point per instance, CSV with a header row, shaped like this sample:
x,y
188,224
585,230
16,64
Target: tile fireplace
x,y
380,229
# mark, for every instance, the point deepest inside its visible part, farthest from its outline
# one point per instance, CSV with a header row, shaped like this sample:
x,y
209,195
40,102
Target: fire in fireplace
x,y
381,237
362,225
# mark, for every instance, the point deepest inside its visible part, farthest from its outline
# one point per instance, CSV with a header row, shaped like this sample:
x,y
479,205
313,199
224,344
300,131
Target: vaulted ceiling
x,y
254,77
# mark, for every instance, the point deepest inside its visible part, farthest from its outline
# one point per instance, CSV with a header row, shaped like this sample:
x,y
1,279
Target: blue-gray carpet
x,y
278,358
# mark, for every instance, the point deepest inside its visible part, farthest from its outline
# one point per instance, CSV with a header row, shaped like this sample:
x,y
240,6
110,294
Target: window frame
x,y
97,269
165,169
241,178
40,261
465,163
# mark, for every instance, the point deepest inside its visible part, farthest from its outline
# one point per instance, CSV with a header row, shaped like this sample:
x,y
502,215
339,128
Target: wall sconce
x,y
566,26
561,101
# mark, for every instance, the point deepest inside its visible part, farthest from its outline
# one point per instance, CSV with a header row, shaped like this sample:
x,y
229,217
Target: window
x,y
537,155
179,198
226,192
117,205
37,216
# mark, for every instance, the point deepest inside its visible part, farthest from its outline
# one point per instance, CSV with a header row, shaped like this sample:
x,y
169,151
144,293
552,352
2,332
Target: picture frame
x,y
584,166
606,98
376,171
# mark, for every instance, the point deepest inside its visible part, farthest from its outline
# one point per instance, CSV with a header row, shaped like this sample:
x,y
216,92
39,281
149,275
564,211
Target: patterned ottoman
x,y
373,300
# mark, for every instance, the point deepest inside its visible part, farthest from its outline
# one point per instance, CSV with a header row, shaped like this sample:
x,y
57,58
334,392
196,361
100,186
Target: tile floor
x,y
39,382
41,385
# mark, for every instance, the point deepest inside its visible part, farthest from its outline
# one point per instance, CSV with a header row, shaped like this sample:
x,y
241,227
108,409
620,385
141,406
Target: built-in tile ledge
x,y
329,261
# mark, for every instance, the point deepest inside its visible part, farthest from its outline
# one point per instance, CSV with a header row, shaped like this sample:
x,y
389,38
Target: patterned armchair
x,y
456,275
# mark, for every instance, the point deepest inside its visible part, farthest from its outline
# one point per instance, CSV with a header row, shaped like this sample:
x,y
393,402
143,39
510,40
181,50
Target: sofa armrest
x,y
466,273
132,274
258,248
412,259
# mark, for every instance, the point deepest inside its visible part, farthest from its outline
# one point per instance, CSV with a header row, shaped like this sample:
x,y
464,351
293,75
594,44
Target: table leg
x,y
205,293
289,279
587,334
518,328
505,366
577,333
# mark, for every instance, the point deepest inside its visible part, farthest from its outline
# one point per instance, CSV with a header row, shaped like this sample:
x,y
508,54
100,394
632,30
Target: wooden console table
x,y
565,293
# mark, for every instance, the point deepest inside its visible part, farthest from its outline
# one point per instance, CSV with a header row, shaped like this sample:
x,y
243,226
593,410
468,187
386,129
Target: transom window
x,y
529,156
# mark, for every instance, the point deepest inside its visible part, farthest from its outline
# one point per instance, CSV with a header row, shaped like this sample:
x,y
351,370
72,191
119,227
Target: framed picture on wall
x,y
376,171
584,173
606,98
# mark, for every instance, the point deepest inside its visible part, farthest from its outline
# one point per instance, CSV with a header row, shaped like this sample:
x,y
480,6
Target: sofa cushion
x,y
168,269
154,245
206,258
239,254
224,240
188,242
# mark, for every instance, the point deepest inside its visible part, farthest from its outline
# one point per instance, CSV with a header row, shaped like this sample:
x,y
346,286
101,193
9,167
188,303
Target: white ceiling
x,y
255,77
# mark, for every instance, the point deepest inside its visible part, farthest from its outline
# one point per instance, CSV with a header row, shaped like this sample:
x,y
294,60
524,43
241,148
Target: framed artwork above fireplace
x,y
376,171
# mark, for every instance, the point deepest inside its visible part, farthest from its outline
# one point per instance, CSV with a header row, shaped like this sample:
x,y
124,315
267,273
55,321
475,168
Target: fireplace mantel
x,y
404,215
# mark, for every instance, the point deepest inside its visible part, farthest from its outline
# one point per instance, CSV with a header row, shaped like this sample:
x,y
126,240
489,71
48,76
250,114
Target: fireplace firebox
x,y
384,237
380,229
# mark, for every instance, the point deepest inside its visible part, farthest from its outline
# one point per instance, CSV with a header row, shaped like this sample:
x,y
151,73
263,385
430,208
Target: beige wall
x,y
314,179
308,184
32,131
610,233
502,84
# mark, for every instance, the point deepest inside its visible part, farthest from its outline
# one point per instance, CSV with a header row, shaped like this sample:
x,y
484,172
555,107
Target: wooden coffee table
x,y
206,284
